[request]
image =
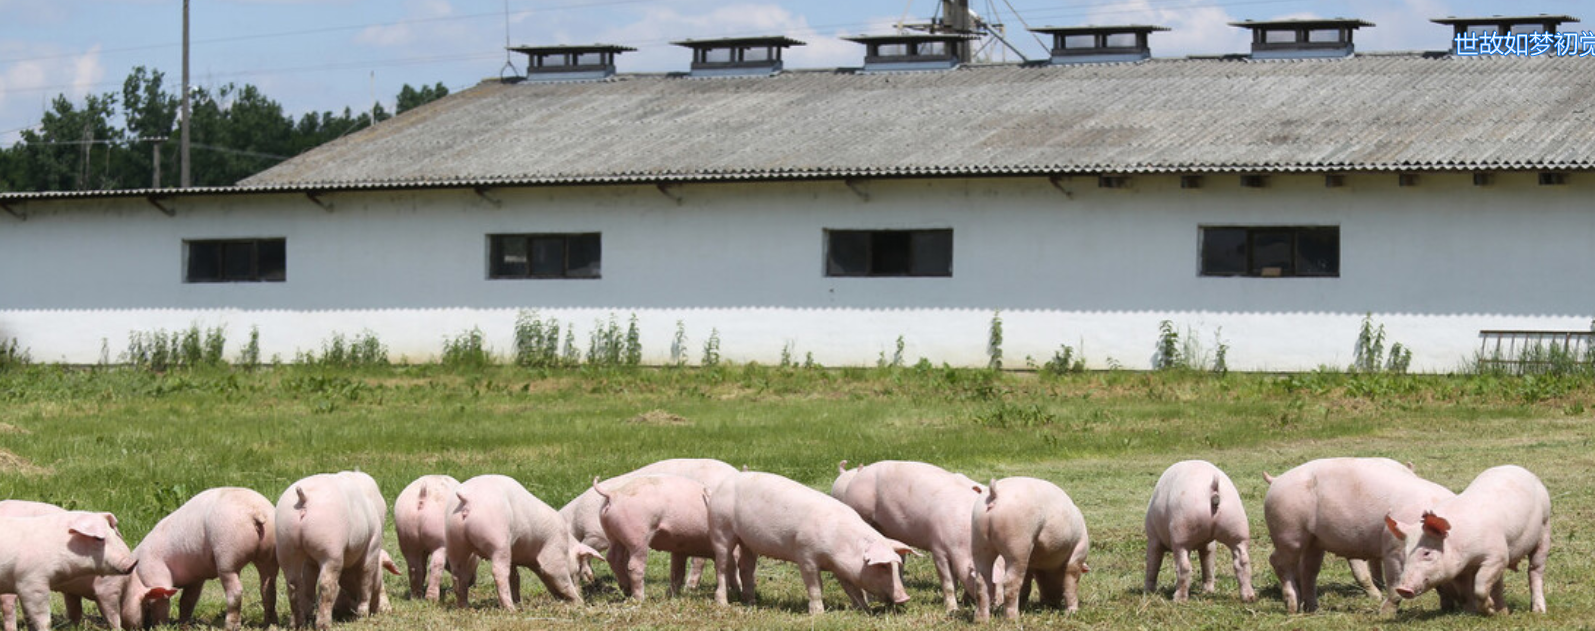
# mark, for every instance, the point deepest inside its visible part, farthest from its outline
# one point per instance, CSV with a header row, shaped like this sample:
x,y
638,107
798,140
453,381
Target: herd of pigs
x,y
325,533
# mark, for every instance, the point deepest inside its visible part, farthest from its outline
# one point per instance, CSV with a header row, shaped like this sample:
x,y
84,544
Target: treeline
x,y
119,140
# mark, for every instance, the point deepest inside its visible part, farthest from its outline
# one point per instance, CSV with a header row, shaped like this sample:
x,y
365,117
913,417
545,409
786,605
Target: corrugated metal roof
x,y
1372,112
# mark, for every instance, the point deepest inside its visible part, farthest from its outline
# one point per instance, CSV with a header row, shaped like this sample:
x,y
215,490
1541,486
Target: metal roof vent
x,y
737,56
1099,44
570,63
912,51
1503,25
1302,39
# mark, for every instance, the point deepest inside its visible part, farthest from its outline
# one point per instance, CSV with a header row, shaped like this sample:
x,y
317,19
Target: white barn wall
x,y
1097,269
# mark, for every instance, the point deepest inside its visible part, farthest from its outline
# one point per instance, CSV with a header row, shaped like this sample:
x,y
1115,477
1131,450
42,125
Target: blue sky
x,y
314,55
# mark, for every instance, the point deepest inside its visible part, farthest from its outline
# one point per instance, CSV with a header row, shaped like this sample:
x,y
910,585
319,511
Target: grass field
x,y
139,444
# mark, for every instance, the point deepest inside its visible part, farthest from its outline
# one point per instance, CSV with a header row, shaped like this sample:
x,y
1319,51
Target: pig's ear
x,y
880,554
1394,527
389,565
110,519
902,549
1435,525
91,526
159,593
584,551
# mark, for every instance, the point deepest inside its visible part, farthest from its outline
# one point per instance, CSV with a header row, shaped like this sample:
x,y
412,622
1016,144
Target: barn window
x,y
235,261
1270,251
577,255
889,253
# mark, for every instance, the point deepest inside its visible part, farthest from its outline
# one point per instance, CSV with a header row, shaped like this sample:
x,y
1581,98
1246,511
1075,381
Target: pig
x,y
924,506
1503,517
1036,531
1337,505
213,535
769,515
494,517
46,551
418,519
106,591
844,477
668,513
329,539
347,588
1193,506
582,513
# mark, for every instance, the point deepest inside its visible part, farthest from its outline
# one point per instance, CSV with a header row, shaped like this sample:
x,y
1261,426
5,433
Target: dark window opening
x,y
1271,251
236,261
544,255
889,253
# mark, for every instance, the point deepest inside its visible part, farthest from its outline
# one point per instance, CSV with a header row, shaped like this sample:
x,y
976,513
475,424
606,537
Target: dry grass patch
x,y
12,463
661,418
7,428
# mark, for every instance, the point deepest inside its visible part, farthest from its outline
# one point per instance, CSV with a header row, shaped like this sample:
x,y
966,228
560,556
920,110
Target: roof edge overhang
x,y
316,188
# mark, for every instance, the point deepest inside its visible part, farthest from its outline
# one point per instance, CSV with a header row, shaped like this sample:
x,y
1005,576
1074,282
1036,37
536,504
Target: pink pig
x,y
106,591
766,514
418,520
1337,505
582,513
45,551
660,512
329,534
924,506
1193,506
1469,541
1036,531
494,517
213,535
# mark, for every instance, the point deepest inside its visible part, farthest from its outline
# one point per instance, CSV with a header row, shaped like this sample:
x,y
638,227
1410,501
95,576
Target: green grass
x,y
139,444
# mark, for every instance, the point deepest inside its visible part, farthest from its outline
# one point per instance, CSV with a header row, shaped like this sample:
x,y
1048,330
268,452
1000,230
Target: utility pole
x,y
184,180
155,159
955,19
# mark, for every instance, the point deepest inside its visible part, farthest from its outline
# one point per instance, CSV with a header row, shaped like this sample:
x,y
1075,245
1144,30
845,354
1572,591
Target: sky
x,y
319,55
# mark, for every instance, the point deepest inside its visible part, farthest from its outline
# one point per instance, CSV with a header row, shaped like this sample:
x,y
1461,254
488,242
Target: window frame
x,y
494,250
255,274
1252,233
873,235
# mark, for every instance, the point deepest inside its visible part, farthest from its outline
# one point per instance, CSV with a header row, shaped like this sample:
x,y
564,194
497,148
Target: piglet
x,y
769,515
582,513
106,591
329,534
493,517
418,520
212,536
1035,529
53,549
1193,506
660,512
1503,517
924,506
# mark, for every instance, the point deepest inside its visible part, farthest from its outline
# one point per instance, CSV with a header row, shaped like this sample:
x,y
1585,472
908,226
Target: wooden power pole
x,y
955,18
184,179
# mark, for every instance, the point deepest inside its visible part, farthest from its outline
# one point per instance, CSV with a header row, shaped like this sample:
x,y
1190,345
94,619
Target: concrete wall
x,y
1094,268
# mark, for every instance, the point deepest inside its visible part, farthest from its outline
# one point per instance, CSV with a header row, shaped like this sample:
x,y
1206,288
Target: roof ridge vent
x,y
590,62
906,52
1099,44
1302,39
737,56
1465,31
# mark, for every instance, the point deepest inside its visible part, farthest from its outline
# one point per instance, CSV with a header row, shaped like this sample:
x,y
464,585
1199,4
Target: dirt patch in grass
x,y
7,428
660,417
12,463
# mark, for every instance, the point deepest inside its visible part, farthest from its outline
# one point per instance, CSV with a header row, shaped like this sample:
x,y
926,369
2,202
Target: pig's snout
x,y
900,598
1406,592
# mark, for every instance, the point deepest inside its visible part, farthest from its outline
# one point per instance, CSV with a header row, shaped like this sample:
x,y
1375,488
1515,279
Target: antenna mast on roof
x,y
508,65
956,18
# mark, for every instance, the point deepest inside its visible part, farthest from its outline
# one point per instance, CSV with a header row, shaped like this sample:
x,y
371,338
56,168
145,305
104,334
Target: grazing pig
x,y
106,591
924,506
418,519
493,517
668,513
1502,517
329,539
1036,531
1337,505
844,477
1193,506
47,551
346,588
582,513
213,535
766,514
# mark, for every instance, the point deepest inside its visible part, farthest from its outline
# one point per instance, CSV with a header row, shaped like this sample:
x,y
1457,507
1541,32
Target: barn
x,y
1268,203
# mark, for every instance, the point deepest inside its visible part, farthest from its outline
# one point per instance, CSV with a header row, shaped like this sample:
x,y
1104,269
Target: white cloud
x,y
407,32
86,72
1196,28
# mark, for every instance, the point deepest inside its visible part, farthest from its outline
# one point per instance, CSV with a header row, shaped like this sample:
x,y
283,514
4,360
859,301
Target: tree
x,y
411,98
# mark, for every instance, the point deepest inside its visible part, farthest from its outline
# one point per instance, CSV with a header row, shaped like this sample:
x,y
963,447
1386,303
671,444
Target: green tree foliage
x,y
111,141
